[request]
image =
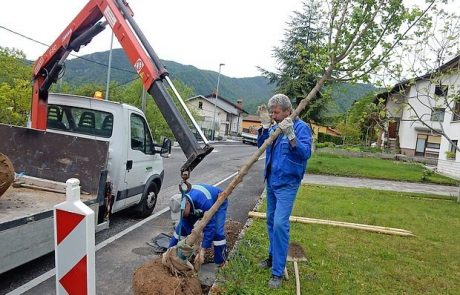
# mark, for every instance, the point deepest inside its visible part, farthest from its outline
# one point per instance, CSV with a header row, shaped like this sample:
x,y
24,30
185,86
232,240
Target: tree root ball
x,y
6,173
152,278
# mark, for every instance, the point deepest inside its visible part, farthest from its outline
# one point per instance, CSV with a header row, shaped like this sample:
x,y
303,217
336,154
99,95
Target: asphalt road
x,y
224,161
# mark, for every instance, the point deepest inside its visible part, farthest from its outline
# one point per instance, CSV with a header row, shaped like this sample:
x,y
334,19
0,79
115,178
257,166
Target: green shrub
x,y
325,144
322,137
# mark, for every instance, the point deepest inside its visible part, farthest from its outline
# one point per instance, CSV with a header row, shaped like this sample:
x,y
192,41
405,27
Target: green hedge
x,y
323,137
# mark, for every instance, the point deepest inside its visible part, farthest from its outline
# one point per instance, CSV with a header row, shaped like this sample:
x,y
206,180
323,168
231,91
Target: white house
x,y
227,116
421,110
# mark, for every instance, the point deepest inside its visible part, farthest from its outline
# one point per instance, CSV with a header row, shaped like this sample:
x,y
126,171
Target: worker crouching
x,y
186,210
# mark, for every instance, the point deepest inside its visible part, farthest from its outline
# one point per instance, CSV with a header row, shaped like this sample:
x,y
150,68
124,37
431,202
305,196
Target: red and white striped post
x,y
74,244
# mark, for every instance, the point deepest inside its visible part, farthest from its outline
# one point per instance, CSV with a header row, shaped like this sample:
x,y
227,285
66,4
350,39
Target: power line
x,y
80,57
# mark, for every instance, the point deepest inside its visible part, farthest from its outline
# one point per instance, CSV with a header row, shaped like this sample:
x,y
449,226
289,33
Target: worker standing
x,y
195,203
285,164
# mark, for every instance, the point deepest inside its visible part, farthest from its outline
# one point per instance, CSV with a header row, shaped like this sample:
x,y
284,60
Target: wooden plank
x,y
366,227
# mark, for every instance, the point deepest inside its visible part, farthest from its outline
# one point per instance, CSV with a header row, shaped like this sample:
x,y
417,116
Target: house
x,y
251,123
317,129
420,110
226,116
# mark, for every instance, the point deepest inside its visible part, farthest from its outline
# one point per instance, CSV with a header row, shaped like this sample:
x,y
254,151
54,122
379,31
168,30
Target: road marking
x,y
31,284
49,274
225,179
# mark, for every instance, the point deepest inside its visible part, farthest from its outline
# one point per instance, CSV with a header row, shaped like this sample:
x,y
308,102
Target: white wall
x,y
423,104
446,166
221,117
449,167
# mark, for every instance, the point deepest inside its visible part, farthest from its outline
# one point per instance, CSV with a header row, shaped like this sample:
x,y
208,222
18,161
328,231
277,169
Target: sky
x,y
203,33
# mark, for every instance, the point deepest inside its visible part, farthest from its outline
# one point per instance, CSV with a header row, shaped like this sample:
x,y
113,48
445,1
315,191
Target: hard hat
x,y
174,205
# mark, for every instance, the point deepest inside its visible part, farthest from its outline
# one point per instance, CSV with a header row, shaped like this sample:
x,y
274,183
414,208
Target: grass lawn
x,y
348,261
324,163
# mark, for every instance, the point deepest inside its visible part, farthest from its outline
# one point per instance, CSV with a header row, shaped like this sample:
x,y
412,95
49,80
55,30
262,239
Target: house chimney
x,y
239,103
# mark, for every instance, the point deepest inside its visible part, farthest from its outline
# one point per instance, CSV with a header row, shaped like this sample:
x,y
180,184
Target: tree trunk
x,y
199,226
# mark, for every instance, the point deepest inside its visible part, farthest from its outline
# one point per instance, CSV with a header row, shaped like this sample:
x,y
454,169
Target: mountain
x,y
345,94
92,68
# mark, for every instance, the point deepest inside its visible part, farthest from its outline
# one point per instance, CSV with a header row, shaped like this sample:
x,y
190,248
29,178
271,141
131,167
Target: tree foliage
x,y
15,88
365,120
351,40
297,58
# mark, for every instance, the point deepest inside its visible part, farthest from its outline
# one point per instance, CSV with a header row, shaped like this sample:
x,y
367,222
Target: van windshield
x,y
80,120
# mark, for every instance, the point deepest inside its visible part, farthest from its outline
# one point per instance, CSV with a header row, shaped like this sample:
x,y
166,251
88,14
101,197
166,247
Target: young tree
x,y
360,36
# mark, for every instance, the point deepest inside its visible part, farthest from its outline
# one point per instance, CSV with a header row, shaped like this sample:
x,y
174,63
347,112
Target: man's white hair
x,y
280,99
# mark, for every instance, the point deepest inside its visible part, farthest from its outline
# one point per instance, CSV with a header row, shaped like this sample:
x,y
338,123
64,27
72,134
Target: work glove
x,y
265,119
184,250
287,126
199,259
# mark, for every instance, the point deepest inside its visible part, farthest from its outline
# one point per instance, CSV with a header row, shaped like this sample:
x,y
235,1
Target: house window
x,y
452,146
456,111
437,114
427,145
200,105
441,90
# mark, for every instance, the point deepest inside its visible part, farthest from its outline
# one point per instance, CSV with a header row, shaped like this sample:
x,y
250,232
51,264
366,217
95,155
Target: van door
x,y
140,159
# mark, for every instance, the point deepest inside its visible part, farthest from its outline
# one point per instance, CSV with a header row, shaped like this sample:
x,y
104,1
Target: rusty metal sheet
x,y
54,156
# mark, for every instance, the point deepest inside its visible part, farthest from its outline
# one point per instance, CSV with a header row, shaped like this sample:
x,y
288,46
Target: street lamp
x,y
215,102
109,69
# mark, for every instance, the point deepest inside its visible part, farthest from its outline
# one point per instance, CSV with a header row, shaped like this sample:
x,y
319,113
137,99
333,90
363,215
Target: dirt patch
x,y
232,230
153,278
296,251
6,173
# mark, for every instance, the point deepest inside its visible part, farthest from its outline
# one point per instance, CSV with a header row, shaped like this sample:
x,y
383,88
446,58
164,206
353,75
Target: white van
x,y
134,162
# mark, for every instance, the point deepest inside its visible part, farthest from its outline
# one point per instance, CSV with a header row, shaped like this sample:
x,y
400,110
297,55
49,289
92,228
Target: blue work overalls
x,y
284,170
203,197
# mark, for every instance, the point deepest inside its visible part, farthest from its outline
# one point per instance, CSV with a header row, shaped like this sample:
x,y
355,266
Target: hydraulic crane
x,y
119,16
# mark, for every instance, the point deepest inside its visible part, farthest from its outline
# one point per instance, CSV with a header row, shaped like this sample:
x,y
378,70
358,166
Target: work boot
x,y
275,282
267,263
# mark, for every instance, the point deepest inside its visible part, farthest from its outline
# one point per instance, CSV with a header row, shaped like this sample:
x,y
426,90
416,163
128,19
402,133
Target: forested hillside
x,y
253,90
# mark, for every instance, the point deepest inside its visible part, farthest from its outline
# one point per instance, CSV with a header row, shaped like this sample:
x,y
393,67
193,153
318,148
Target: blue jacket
x,y
203,197
283,163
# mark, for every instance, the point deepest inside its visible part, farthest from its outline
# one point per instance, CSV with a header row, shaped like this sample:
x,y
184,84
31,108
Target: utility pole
x,y
109,69
215,102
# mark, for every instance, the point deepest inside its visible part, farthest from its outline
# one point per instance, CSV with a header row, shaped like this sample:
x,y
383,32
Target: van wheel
x,y
148,201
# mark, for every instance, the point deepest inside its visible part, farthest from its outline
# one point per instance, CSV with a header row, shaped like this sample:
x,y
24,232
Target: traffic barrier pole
x,y
74,244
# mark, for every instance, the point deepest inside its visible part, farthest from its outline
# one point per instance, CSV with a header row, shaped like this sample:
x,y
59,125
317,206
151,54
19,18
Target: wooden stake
x,y
366,227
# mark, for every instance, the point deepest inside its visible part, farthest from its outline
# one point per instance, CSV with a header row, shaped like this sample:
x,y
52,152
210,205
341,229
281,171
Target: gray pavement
x,y
117,260
377,184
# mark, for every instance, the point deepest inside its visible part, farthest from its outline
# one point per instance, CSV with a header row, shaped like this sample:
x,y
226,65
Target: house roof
x,y
212,96
404,84
221,103
252,118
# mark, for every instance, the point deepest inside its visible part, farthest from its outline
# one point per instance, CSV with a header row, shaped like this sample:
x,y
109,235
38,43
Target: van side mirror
x,y
166,148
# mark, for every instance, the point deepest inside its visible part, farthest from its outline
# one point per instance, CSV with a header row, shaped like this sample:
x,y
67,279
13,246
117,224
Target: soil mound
x,y
153,278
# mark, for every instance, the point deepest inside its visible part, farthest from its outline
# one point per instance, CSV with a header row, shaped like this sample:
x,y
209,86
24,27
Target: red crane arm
x,y
141,55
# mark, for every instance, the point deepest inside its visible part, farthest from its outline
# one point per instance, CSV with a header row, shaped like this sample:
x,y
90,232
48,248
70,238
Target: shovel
x,y
296,254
